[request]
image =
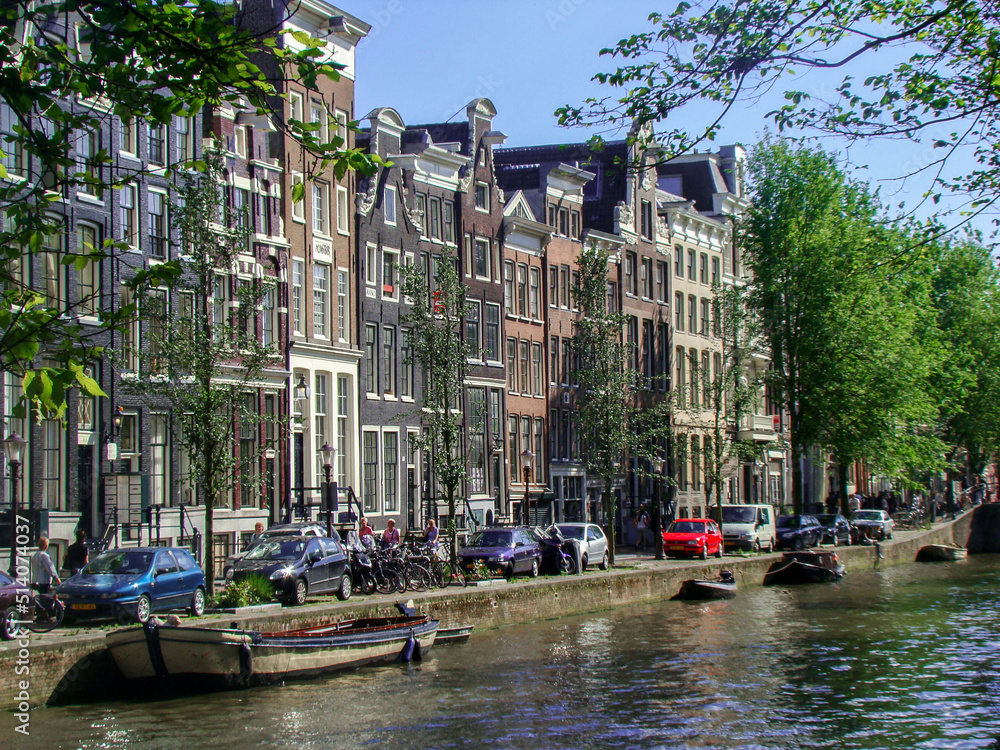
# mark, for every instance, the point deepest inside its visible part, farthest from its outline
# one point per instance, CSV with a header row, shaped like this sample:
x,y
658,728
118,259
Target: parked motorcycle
x,y
557,552
361,568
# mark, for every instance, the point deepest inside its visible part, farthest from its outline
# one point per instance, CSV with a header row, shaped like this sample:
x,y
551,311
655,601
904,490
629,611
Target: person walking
x,y
42,571
77,554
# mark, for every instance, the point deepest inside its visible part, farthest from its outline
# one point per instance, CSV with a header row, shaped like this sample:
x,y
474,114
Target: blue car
x,y
131,584
503,550
799,532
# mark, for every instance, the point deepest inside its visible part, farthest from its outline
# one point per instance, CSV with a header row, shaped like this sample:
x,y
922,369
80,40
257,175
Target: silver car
x,y
590,537
876,524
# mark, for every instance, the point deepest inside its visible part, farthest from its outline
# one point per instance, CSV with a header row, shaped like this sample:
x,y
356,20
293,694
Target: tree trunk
x,y
797,499
842,488
609,518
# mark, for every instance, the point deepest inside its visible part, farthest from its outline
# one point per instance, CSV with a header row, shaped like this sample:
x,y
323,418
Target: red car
x,y
698,537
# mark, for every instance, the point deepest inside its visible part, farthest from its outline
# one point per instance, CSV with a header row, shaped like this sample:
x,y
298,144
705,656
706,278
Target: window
x,y
420,204
648,348
574,224
477,440
704,317
647,278
89,277
661,281
633,343
678,261
536,369
343,404
646,219
564,293
564,222
129,137
567,358
663,358
679,311
155,314
389,205
321,297
539,462
482,255
472,321
53,283
369,450
482,196
492,330
694,380
553,359
159,460
522,289
130,332
321,207
434,218
183,138
533,293
680,383
239,208
298,204
129,215
630,280
695,462
715,271
157,143
87,148
511,364
317,116
449,222
690,258
512,446
703,268
706,377
522,381
553,286
371,270
406,386
240,140
53,469
342,319
390,464
15,158
574,303
371,364
390,259
220,298
156,206
508,286
343,217
389,360
692,315
297,266
267,337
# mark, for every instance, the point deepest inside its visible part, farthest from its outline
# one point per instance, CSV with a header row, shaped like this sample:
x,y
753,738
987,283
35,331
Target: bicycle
x,y
443,573
40,613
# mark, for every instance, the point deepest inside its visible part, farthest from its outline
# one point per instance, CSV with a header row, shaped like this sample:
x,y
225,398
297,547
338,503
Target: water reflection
x,y
901,658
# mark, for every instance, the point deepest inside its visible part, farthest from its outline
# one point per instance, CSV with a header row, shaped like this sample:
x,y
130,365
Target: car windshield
x,y
120,562
571,532
277,549
492,539
686,527
826,519
867,515
738,515
789,522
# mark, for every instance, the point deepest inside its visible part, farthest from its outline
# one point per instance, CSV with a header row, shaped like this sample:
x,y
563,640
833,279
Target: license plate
x,y
83,606
676,547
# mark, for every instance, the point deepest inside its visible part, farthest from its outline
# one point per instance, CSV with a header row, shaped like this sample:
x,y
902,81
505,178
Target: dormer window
x,y
389,205
482,196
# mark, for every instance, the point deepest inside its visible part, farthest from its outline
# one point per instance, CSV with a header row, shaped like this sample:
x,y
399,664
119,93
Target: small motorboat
x,y
723,587
814,566
228,658
453,635
941,553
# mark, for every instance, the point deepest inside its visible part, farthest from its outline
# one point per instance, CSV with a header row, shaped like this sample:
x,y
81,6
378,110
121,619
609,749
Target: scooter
x,y
557,557
361,569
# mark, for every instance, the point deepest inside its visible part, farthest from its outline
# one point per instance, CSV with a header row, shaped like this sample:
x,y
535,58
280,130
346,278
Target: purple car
x,y
503,550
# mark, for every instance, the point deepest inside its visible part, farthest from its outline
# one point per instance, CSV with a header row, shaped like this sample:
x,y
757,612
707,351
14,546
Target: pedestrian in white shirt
x,y
42,571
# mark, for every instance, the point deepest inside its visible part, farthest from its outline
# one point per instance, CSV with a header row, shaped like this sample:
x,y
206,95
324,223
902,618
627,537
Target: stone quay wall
x,y
70,667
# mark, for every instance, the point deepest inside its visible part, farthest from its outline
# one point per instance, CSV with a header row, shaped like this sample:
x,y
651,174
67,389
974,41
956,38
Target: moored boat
x,y
941,553
235,658
814,566
723,587
453,635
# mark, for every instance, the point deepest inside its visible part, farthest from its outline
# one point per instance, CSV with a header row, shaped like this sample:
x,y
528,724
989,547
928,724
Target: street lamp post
x,y
329,454
526,457
658,514
13,447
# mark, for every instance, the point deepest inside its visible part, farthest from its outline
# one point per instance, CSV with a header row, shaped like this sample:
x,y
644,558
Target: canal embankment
x,y
74,665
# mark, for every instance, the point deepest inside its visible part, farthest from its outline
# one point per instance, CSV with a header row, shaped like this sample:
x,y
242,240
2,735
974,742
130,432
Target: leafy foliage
x,y
246,592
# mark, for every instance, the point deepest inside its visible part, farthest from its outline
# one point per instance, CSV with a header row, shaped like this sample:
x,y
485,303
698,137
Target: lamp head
x,y
329,454
13,446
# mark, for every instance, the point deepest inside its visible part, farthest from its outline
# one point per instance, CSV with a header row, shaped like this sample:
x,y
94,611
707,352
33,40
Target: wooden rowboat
x,y
453,635
723,587
818,566
207,657
941,553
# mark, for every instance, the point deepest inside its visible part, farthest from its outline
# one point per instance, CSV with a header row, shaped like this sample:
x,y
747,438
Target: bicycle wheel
x,y
47,617
417,577
385,581
459,577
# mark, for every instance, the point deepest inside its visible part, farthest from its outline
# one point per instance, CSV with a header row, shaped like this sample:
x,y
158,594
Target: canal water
x,y
906,657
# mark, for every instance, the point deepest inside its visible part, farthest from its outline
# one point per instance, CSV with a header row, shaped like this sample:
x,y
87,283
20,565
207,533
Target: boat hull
x,y
234,658
941,553
804,567
702,590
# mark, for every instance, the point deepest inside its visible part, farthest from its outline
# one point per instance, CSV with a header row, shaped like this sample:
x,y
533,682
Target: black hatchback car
x,y
798,532
298,566
836,528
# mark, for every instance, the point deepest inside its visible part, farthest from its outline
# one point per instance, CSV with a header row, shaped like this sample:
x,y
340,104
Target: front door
x,y
85,488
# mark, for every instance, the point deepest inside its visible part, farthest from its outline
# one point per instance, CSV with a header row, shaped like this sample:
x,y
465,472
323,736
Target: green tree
x,y
66,68
435,319
201,359
618,418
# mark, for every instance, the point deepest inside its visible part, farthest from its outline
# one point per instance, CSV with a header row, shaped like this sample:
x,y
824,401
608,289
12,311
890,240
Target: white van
x,y
748,527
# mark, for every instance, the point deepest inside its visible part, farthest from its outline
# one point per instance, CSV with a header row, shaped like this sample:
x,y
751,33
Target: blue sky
x,y
429,58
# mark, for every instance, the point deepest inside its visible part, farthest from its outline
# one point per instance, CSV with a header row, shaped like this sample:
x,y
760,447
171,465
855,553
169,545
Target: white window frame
x,y
343,212
321,208
298,207
389,205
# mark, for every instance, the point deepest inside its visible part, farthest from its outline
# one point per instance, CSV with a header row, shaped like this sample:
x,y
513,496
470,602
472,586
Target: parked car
x,y
284,529
749,527
298,566
133,583
591,540
11,591
698,537
798,532
875,524
836,529
508,551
